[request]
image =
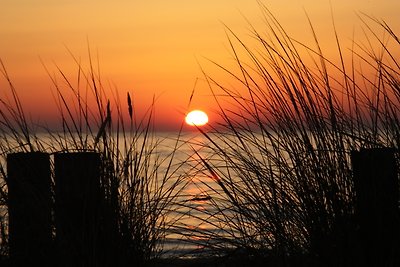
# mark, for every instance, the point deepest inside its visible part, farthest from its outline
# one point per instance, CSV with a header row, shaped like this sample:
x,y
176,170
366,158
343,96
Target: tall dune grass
x,y
281,155
138,183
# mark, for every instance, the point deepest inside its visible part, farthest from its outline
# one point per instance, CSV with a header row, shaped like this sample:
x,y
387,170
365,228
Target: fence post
x,y
29,208
377,205
77,178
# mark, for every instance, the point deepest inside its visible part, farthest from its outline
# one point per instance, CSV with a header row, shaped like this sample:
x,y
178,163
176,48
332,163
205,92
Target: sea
x,y
196,221
192,224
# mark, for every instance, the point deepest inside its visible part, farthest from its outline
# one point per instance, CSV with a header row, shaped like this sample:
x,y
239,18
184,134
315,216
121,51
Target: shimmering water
x,y
192,217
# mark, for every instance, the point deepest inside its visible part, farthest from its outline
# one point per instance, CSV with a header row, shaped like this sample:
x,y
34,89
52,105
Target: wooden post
x,y
77,178
29,208
377,205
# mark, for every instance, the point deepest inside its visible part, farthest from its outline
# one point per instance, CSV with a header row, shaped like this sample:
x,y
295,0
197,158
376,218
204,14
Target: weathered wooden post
x,y
77,178
377,206
29,208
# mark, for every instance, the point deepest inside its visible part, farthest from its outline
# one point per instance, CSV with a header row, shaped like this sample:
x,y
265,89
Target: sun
x,y
196,118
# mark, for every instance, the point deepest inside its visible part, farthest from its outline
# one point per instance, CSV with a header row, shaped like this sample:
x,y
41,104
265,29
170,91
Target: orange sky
x,y
153,47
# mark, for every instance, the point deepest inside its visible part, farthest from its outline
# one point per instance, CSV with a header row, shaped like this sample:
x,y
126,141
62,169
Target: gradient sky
x,y
153,47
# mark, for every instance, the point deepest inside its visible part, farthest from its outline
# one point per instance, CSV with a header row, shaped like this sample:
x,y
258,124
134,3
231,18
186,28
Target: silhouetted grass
x,y
280,158
138,183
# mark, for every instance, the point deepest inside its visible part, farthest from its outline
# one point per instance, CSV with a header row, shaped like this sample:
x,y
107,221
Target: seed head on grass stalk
x,y
139,189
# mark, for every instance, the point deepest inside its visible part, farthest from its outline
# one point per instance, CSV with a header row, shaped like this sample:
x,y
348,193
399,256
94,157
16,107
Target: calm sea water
x,y
192,218
202,216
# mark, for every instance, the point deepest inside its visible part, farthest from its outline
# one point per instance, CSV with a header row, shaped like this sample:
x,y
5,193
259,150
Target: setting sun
x,y
196,118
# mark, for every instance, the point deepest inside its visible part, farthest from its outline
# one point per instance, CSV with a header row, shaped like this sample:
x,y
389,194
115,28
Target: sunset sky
x,y
153,47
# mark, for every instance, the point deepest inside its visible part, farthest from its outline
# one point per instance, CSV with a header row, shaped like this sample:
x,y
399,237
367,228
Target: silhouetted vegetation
x,y
280,182
281,156
137,182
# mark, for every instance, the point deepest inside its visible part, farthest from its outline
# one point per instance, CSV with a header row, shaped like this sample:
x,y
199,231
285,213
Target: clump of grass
x,y
138,183
281,155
